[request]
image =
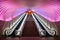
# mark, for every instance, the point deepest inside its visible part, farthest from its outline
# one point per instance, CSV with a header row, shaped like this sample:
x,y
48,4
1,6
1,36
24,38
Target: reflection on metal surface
x,y
41,31
48,27
9,30
19,31
43,26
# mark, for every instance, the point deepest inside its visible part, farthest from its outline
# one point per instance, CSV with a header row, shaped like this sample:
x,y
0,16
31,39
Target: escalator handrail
x,y
14,26
47,28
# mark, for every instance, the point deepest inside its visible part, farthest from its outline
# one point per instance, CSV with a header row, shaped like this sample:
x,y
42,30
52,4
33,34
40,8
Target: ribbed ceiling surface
x,y
49,9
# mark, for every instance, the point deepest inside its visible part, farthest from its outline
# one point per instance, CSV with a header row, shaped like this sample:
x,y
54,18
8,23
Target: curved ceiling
x,y
49,9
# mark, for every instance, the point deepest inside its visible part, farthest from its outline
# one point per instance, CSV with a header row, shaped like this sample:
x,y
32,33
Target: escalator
x,y
49,31
30,29
13,34
10,31
29,26
45,32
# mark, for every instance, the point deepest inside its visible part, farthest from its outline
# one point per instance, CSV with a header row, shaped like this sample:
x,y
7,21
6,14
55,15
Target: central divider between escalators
x,y
30,29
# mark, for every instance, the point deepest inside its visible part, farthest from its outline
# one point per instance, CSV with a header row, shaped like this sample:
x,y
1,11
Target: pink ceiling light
x,y
49,10
9,10
46,8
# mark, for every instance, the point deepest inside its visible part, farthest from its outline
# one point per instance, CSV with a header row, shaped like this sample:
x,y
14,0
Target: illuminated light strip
x,y
19,31
41,31
51,31
10,29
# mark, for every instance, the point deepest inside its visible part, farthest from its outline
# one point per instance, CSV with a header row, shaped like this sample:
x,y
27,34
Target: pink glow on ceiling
x,y
8,9
49,9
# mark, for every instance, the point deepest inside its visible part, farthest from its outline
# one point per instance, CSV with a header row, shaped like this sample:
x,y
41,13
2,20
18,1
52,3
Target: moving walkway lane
x,y
30,29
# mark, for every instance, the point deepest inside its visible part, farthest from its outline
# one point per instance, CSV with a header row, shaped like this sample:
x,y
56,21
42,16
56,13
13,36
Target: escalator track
x,y
47,34
15,26
13,34
42,27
